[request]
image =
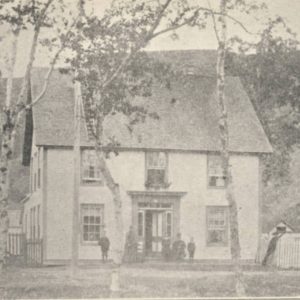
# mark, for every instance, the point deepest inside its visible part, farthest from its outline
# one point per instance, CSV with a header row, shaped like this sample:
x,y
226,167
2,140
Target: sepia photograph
x,y
149,149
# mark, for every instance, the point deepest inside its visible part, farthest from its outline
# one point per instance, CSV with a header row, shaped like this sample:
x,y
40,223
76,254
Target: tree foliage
x,y
271,77
109,58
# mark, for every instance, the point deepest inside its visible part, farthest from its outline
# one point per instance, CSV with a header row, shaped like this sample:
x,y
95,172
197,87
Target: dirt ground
x,y
139,281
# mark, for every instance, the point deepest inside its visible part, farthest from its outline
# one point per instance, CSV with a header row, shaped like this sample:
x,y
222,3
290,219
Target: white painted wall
x,y
35,197
187,173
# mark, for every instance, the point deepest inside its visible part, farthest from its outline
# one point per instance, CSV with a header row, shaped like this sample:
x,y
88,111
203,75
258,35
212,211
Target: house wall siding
x,y
36,196
187,172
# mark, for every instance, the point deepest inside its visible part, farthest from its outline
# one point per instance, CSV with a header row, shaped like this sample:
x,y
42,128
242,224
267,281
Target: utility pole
x,y
76,162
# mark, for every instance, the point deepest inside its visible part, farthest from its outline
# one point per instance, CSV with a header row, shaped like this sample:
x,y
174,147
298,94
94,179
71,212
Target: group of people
x,y
177,251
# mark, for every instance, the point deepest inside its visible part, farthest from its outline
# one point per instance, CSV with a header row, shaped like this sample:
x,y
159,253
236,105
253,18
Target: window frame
x,y
31,175
38,222
224,243
39,168
209,156
102,223
89,181
141,227
168,225
166,175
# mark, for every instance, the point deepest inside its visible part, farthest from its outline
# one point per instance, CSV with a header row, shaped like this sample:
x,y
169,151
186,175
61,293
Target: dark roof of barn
x,y
187,112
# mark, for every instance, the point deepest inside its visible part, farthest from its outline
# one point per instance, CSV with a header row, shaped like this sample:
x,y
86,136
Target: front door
x,y
158,223
157,231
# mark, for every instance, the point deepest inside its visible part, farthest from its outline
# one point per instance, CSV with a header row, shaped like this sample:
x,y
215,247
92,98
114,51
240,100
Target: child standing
x,y
104,244
191,248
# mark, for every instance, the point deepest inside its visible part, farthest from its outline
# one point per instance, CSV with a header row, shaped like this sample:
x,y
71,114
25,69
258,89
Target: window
x,y
90,172
141,224
216,175
38,222
169,224
92,222
39,177
34,181
217,225
156,168
31,175
25,226
34,224
39,169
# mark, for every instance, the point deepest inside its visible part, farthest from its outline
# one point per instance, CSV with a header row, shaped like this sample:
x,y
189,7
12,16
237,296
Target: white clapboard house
x,y
169,169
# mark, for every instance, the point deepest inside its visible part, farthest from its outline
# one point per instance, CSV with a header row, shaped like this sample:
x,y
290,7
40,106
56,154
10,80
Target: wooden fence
x,y
287,254
288,251
15,244
30,252
34,252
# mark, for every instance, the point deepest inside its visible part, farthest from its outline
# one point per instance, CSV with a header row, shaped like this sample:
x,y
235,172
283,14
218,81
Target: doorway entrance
x,y
155,215
153,225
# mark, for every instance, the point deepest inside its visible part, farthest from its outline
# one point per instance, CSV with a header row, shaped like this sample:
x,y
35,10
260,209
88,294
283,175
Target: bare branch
x,y
37,29
19,107
214,22
46,81
42,15
52,64
212,13
237,22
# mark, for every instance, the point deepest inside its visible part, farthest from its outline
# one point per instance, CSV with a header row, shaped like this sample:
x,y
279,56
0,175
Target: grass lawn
x,y
57,282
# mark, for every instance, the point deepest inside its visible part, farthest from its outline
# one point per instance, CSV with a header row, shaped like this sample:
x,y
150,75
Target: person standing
x,y
178,248
272,247
104,243
166,248
191,247
130,252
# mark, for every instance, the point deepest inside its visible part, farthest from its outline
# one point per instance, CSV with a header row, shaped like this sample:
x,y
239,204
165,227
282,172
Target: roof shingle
x,y
188,114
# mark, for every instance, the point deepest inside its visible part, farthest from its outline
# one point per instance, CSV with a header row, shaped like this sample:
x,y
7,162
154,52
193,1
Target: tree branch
x,y
52,64
214,23
212,13
42,15
147,38
19,107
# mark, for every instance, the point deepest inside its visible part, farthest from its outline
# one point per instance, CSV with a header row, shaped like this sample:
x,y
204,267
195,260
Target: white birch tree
x,y
108,65
19,16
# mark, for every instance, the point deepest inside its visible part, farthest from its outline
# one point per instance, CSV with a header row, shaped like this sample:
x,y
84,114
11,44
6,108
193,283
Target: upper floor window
x,y
217,225
216,174
156,169
90,171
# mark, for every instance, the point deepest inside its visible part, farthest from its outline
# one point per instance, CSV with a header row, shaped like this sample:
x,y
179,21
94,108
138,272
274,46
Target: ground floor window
x,y
217,225
92,221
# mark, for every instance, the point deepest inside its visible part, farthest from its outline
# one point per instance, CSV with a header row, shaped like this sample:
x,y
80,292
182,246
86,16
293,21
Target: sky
x,y
188,38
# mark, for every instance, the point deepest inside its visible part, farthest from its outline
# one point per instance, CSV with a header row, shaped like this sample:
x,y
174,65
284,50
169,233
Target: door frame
x,y
163,197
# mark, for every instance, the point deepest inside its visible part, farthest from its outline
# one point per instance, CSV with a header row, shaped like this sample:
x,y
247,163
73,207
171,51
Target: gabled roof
x,y
187,112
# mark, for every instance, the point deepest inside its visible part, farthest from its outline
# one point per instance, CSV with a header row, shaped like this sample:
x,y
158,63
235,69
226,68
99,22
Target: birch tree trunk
x,y
6,149
11,116
235,248
116,195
